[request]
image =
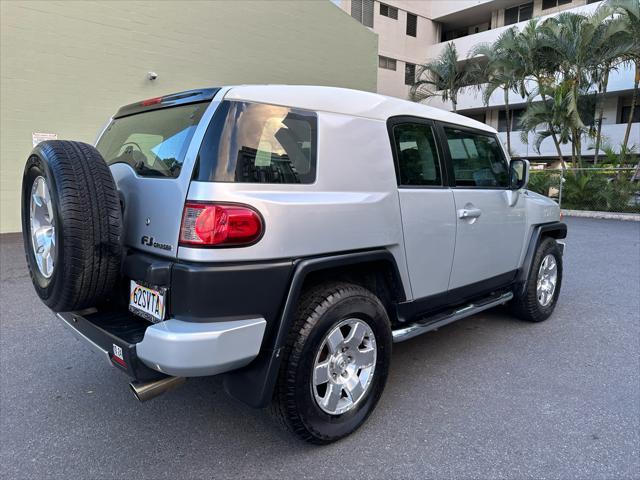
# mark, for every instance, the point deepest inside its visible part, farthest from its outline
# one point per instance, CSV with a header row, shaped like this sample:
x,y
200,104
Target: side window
x,y
478,160
417,155
259,143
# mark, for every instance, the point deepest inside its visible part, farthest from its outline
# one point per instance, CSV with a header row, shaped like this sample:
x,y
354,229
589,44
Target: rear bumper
x,y
188,349
173,347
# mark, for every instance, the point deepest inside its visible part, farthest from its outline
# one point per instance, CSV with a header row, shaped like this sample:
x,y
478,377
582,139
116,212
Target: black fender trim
x,y
553,229
254,384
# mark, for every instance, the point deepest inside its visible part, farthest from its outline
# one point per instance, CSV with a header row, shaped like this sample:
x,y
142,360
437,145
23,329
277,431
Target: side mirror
x,y
518,174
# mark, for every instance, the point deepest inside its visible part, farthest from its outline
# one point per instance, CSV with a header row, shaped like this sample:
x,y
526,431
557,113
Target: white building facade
x,y
411,32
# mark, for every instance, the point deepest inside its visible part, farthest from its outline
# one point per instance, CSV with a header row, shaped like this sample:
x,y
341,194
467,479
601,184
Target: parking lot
x,y
487,397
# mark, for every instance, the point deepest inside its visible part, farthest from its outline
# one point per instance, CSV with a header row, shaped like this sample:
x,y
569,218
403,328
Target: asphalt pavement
x,y
487,397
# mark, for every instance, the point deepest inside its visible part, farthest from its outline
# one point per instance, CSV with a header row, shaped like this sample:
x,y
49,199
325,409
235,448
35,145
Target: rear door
x,y
151,148
426,204
490,218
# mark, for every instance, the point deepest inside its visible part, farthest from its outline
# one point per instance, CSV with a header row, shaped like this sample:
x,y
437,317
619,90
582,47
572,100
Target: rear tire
x,y
324,310
82,220
543,285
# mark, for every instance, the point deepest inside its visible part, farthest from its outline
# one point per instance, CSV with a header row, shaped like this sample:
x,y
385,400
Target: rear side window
x,y
477,159
417,155
153,143
259,143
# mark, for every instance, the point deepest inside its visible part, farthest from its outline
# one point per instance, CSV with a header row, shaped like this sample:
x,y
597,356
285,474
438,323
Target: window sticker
x,y
263,155
266,145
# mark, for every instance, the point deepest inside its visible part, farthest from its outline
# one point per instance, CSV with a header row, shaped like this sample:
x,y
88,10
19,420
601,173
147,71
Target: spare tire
x,y
71,225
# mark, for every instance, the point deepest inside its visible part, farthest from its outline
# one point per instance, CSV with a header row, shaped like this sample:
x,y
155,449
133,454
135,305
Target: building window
x,y
409,73
547,4
515,114
386,63
517,14
625,111
412,25
388,11
362,10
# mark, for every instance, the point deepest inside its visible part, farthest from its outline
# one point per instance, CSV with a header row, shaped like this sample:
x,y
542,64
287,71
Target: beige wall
x,y
66,66
393,41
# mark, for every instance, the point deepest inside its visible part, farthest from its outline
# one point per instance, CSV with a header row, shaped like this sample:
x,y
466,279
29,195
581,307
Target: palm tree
x,y
552,117
498,68
629,11
613,42
443,77
571,36
538,66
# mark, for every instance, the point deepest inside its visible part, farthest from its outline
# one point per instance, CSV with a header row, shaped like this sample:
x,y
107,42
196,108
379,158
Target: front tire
x,y
335,363
543,285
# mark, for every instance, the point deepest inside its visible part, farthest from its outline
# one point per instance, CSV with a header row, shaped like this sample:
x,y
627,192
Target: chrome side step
x,y
429,324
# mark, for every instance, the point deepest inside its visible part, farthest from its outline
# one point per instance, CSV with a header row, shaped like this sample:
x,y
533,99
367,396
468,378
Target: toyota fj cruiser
x,y
284,236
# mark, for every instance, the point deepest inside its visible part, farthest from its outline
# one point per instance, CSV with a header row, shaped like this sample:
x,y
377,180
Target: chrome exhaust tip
x,y
144,391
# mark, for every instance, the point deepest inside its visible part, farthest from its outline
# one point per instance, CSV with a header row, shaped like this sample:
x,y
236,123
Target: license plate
x,y
147,302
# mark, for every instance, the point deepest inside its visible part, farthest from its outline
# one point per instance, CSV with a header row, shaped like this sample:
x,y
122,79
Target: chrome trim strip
x,y
67,319
416,329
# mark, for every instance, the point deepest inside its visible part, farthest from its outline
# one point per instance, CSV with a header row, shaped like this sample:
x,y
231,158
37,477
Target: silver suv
x,y
285,237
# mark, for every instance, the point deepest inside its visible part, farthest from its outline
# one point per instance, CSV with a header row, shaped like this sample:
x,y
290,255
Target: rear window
x,y
259,143
153,143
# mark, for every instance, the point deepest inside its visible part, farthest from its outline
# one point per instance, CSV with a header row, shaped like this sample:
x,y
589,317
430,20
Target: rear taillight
x,y
209,224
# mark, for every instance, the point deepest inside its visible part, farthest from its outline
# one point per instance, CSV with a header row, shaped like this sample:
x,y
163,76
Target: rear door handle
x,y
469,213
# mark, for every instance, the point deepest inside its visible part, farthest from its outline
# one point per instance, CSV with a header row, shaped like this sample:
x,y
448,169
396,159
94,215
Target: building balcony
x,y
470,98
466,44
612,134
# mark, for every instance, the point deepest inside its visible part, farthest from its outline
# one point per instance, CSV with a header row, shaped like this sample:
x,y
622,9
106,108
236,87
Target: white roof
x,y
345,101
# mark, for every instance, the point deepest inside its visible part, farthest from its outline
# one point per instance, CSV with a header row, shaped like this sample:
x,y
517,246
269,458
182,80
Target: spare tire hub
x,y
43,231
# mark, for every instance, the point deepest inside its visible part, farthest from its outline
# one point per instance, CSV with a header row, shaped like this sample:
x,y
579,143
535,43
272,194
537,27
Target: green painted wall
x,y
66,66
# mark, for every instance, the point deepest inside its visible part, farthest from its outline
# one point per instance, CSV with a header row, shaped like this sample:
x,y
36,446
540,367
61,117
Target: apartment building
x,y
412,31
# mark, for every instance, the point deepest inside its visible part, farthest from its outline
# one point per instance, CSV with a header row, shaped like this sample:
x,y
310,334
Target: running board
x,y
429,324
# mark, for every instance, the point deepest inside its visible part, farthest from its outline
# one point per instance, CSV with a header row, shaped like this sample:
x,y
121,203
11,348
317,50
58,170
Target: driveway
x,y
487,397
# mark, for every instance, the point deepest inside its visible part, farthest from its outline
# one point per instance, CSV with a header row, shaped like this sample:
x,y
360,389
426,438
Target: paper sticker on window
x,y
268,144
263,155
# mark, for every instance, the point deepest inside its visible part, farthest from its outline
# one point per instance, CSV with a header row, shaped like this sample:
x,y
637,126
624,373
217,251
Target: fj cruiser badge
x,y
150,242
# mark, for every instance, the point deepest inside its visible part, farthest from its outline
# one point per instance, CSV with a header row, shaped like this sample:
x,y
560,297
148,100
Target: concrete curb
x,y
630,217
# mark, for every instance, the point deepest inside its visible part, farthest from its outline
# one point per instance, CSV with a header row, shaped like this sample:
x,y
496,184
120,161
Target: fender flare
x,y
254,384
553,229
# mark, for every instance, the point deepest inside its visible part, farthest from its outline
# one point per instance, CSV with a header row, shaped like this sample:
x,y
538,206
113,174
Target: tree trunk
x,y
634,100
558,149
455,105
506,111
600,115
578,146
551,128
